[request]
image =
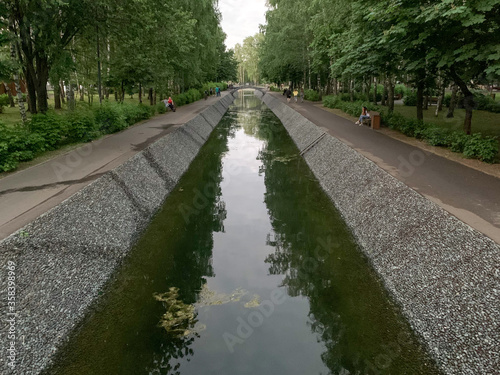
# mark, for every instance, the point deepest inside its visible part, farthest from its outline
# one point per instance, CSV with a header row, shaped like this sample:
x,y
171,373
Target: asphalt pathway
x,y
29,193
469,194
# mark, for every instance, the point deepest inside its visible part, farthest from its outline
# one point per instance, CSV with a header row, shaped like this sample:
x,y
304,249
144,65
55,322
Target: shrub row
x,y
472,146
311,95
52,130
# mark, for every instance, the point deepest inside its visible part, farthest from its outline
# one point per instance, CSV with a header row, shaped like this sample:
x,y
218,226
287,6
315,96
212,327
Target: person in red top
x,y
169,103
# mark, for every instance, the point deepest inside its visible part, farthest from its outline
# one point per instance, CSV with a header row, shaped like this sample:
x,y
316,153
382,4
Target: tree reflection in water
x,y
314,251
126,320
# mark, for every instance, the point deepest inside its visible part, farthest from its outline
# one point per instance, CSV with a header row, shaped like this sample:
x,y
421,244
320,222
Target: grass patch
x,y
486,123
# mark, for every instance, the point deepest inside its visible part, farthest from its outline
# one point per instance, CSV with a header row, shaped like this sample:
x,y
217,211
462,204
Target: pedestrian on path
x,y
302,95
217,91
295,95
288,95
364,115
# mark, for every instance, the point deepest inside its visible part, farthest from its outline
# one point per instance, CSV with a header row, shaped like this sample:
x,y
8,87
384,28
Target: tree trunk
x,y
439,106
99,79
468,100
384,94
426,102
140,93
30,86
12,103
351,91
453,101
375,91
420,98
41,79
57,96
71,97
335,89
63,93
390,93
122,93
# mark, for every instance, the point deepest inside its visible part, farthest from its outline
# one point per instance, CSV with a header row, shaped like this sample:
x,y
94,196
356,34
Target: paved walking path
x,y
29,193
469,194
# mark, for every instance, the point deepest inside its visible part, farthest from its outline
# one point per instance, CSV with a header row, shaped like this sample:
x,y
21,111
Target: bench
x,y
374,120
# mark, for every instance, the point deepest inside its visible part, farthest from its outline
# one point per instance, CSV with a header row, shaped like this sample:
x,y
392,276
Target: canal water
x,y
247,269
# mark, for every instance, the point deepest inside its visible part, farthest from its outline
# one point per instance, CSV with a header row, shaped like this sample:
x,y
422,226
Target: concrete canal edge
x,y
443,274
63,258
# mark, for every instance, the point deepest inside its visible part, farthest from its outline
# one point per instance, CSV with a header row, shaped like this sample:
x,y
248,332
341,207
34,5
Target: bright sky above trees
x,y
241,18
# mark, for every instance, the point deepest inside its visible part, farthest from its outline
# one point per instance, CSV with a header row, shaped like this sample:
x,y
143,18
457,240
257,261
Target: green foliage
x,y
410,99
81,126
400,89
189,96
485,149
311,95
486,103
49,131
352,108
4,101
18,144
51,127
109,118
160,108
475,146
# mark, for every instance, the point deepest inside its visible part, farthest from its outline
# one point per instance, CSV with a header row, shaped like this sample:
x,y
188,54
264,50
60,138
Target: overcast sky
x,y
241,18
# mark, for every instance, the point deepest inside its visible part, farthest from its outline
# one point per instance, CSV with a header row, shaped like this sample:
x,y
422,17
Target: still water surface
x,y
277,283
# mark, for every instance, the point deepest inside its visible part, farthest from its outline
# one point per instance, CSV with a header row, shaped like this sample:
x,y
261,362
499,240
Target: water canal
x,y
247,269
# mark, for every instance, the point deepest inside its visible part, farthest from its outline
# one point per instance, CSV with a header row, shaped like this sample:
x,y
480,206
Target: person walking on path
x,y
217,91
295,95
288,95
302,95
364,115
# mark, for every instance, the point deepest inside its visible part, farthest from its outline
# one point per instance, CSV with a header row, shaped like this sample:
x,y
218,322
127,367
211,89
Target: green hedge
x,y
52,130
472,146
311,95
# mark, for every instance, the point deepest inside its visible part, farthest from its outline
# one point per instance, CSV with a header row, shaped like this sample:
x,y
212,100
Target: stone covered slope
x,y
64,257
444,274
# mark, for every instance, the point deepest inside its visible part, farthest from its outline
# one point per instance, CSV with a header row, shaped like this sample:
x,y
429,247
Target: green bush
x,y
458,140
133,113
434,136
4,101
486,103
400,89
52,127
311,95
109,118
82,126
18,144
485,149
160,108
410,98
